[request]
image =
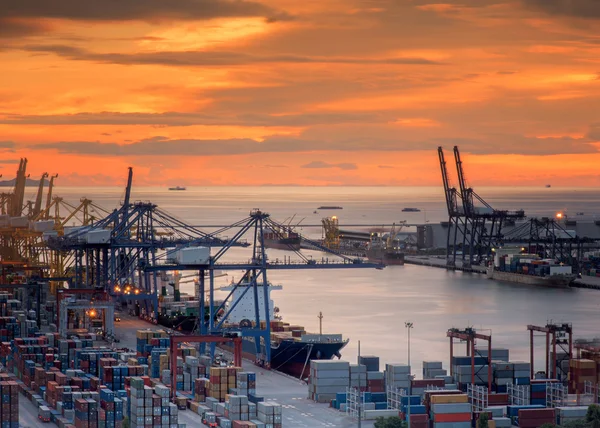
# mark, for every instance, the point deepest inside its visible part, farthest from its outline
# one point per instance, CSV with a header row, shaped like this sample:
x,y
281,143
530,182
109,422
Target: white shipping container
x,y
561,270
98,236
193,256
42,226
19,222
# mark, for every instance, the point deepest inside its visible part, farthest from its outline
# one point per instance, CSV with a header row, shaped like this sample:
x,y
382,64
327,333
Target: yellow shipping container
x,y
491,424
449,399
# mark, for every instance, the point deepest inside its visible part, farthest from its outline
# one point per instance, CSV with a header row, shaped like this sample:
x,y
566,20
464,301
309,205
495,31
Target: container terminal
x,y
81,343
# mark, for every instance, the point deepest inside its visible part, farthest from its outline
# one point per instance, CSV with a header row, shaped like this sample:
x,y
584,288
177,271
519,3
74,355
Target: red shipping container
x,y
452,417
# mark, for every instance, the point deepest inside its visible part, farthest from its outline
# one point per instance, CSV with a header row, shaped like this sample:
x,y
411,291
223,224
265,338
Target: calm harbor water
x,y
372,305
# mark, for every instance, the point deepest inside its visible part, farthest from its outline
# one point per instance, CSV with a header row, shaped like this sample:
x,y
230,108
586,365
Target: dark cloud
x,y
206,58
385,166
189,119
9,161
321,164
128,10
577,8
506,73
594,132
19,28
7,145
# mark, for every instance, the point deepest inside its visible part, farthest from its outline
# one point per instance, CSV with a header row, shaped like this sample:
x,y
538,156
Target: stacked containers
x,y
86,413
148,407
535,418
201,389
498,354
418,387
538,391
269,413
9,393
236,408
358,377
450,411
221,380
431,369
369,361
461,370
246,383
397,376
581,371
504,374
571,414
522,374
375,381
327,378
110,414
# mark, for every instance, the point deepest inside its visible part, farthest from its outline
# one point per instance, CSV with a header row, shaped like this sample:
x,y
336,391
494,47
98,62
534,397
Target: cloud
x,y
385,166
7,145
210,58
127,10
19,28
577,8
9,161
321,164
594,132
190,119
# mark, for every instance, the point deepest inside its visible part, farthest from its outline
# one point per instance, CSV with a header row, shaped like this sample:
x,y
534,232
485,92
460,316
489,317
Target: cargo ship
x,y
411,210
386,256
511,265
283,238
292,348
330,207
177,188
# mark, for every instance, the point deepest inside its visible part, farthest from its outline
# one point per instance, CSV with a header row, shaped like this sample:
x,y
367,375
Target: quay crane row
x,y
134,243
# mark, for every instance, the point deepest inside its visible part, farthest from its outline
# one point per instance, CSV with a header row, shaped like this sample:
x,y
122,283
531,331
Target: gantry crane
x,y
470,335
558,336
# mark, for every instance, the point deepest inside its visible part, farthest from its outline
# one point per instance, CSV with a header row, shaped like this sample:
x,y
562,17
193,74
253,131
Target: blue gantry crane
x,y
255,275
115,250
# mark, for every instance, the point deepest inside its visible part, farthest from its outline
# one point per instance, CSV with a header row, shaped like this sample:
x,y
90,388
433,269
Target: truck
x,y
44,414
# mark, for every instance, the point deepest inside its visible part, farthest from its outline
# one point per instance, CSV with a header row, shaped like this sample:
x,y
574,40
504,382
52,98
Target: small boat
x,y
330,207
177,188
411,210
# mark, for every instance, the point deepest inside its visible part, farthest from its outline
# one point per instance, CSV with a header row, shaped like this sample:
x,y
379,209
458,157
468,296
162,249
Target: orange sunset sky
x,y
302,92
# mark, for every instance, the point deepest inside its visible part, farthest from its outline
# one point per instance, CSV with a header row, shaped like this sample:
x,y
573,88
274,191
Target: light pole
x,y
359,397
409,325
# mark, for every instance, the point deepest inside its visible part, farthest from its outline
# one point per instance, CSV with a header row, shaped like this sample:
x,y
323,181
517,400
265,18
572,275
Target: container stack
x,y
86,413
246,383
581,371
150,407
570,414
464,375
145,341
397,376
375,382
221,380
110,414
236,408
537,391
327,377
432,369
158,361
522,374
498,354
504,374
201,389
418,387
269,413
9,411
535,418
358,377
450,411
370,361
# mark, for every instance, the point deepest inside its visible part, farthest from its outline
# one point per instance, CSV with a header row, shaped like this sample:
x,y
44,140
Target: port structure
x,y
255,272
469,336
549,239
471,218
115,250
558,337
202,339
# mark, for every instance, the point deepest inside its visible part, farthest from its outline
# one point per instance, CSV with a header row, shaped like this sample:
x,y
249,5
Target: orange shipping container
x,y
449,399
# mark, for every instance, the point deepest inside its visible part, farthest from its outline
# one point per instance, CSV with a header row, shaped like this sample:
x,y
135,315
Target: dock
x,y
440,262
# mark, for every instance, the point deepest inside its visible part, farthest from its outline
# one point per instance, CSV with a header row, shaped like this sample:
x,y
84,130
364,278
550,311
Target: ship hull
x,y
291,357
388,259
553,281
291,244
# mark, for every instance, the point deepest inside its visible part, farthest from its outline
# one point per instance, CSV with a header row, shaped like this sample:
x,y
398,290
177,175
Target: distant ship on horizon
x,y
177,188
